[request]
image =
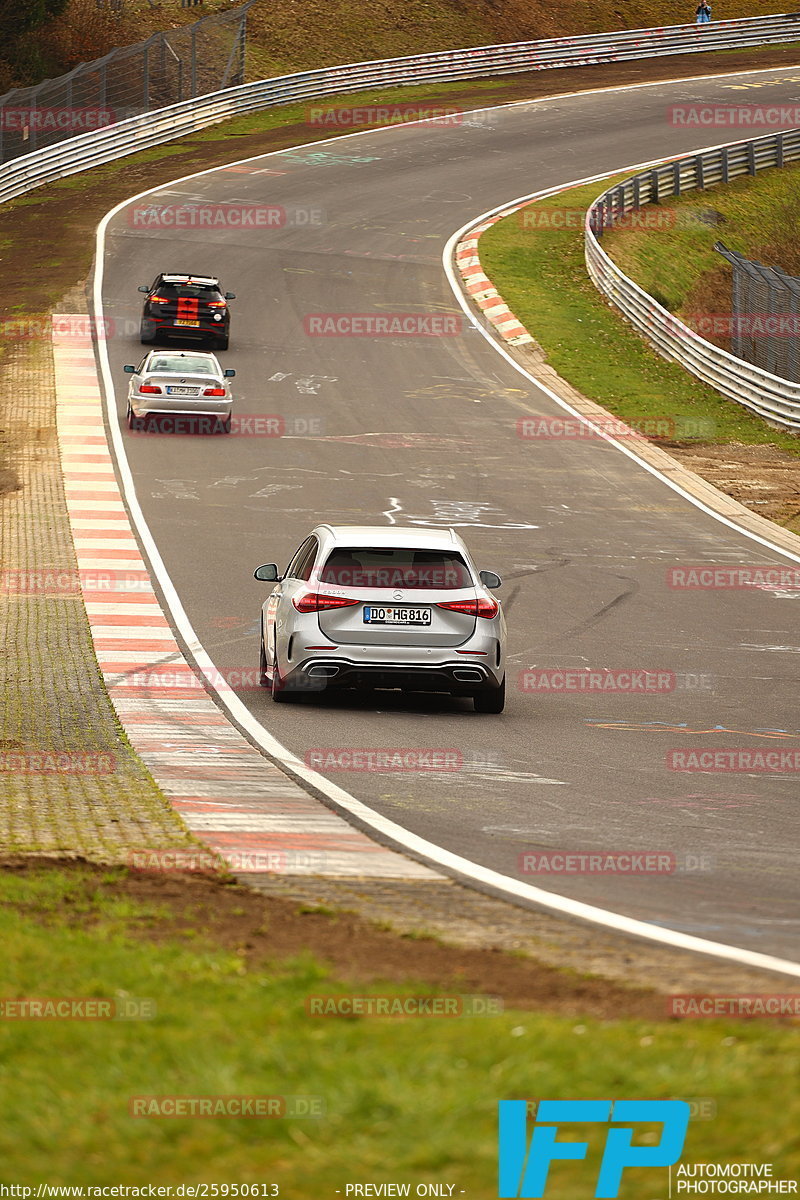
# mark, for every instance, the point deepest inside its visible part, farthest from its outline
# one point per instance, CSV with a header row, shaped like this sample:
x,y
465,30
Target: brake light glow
x,y
319,602
159,299
151,389
481,607
217,304
214,392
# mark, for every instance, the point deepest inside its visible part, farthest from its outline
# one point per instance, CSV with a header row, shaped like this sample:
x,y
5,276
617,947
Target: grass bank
x,y
538,266
230,1021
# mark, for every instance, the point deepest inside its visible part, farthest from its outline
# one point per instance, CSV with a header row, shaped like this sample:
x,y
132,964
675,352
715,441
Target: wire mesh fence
x,y
190,61
765,315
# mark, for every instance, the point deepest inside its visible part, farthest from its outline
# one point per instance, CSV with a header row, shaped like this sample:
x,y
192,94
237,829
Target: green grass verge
x,y
540,271
406,1099
756,215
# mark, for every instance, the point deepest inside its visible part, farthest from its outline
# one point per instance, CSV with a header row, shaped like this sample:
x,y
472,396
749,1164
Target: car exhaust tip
x,y
468,675
324,670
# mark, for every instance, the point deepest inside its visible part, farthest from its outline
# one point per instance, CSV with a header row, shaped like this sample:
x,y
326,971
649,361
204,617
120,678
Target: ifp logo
x,y
524,1169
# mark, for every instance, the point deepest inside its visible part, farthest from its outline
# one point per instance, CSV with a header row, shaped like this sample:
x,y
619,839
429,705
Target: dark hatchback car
x,y
189,307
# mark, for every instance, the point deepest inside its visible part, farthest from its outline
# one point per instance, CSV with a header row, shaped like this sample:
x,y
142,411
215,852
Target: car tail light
x,y
217,304
319,602
214,392
472,608
150,389
159,299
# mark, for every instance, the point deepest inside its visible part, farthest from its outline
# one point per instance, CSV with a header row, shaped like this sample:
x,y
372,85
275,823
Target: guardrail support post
x,y
725,170
779,149
676,179
654,191
699,167
751,159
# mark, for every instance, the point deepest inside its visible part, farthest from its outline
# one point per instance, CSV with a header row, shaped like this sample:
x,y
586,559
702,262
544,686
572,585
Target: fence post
x,y
146,78
676,179
779,149
699,167
725,168
751,159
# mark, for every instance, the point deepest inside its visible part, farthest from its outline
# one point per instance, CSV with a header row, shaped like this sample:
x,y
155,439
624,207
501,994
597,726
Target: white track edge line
x,y
341,799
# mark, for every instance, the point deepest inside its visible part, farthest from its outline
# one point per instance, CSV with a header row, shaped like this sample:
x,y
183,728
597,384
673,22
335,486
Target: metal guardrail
x,y
88,150
775,399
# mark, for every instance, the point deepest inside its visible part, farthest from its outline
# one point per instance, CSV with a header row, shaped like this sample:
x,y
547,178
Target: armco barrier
x,y
151,129
776,400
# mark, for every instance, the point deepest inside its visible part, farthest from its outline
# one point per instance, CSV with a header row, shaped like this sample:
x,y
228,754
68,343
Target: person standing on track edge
x,y
703,12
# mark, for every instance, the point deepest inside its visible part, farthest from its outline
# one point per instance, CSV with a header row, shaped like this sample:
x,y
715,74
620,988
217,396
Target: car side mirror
x,y
268,573
129,370
230,295
489,579
144,289
229,374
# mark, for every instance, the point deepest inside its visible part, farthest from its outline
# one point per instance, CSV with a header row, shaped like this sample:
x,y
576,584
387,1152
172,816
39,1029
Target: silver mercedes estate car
x,y
363,606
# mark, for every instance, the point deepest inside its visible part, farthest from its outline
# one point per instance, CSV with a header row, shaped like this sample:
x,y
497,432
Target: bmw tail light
x,y
214,392
150,389
318,602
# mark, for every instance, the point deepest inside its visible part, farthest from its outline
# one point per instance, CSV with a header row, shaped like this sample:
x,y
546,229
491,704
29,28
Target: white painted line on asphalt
x,y
386,829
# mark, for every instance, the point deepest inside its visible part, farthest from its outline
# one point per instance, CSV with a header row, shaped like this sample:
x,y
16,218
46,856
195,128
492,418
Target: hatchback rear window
x,y
379,568
174,291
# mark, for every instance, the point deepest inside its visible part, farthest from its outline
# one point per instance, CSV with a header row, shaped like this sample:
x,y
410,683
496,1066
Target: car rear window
x,y
379,568
191,291
193,366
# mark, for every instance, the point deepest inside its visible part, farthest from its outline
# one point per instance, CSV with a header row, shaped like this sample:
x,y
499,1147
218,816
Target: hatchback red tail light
x,y
214,392
150,389
318,602
472,608
159,299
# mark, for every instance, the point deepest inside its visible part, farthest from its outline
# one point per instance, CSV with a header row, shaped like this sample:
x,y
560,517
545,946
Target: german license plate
x,y
181,391
193,324
380,615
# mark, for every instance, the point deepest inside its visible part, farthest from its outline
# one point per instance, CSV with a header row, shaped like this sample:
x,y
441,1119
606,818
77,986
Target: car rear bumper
x,y
184,406
457,678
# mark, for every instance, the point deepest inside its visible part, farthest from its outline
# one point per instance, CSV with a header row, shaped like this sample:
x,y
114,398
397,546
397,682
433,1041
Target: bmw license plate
x,y
181,391
375,615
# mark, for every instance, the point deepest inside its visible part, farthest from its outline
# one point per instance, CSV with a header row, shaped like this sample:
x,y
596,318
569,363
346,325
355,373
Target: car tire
x,y
147,336
221,343
134,422
224,424
263,676
276,685
490,699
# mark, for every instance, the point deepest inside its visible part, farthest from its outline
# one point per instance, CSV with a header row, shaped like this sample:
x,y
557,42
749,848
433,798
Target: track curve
x,y
424,434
